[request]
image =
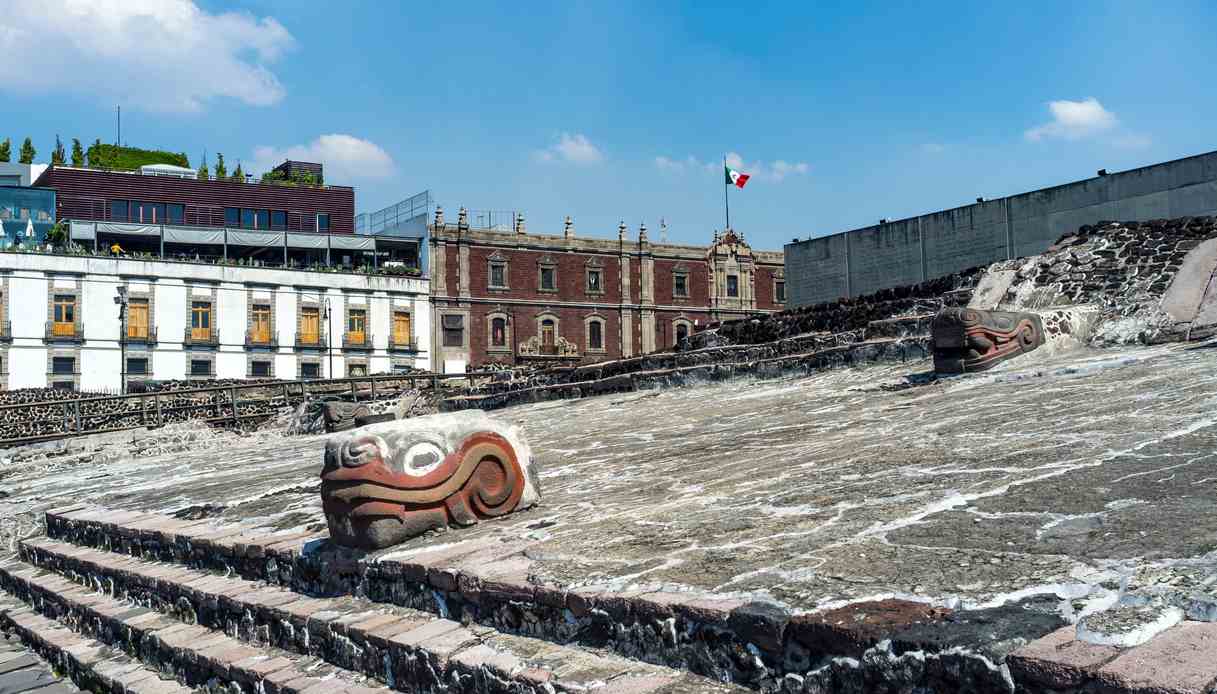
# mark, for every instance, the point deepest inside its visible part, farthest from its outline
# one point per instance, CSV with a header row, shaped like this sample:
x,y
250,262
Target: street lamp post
x,y
329,350
122,301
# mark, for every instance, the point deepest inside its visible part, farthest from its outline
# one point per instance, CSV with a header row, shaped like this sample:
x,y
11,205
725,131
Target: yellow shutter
x,y
401,328
137,318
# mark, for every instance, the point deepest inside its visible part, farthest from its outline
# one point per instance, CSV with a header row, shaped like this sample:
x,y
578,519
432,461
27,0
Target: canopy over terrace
x,y
271,248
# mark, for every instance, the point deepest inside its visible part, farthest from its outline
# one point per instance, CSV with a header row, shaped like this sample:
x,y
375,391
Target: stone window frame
x,y
301,361
356,361
63,351
498,258
594,264
680,270
547,262
77,293
395,362
587,334
727,285
464,315
150,297
508,331
250,302
366,307
678,321
779,277
304,299
542,317
251,357
192,357
195,292
402,305
138,351
5,335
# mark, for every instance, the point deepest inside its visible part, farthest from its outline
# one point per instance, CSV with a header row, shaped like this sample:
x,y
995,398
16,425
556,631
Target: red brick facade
x,y
551,295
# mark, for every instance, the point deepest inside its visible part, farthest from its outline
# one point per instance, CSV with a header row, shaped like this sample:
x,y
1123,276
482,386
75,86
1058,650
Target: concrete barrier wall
x,y
911,250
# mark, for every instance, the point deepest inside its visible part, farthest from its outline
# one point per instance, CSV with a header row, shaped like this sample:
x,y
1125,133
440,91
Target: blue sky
x,y
843,112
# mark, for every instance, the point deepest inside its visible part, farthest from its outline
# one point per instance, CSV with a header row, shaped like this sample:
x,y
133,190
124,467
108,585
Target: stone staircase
x,y
124,621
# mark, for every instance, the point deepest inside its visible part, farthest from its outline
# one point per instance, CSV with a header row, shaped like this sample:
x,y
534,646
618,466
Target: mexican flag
x,y
737,178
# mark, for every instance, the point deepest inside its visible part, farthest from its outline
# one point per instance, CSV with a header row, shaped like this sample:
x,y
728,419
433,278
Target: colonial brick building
x,y
512,297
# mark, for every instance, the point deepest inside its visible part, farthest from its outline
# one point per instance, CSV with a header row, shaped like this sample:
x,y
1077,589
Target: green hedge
x,y
131,158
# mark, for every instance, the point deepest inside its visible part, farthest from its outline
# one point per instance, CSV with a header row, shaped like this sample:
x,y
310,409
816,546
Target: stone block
x,y
1058,660
1181,660
851,630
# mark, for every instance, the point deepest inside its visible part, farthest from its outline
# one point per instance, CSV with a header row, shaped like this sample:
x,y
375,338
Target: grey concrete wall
x,y
908,251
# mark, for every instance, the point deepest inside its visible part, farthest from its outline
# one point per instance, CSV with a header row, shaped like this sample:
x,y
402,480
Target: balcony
x,y
6,331
201,337
64,332
310,341
357,341
406,344
139,336
261,339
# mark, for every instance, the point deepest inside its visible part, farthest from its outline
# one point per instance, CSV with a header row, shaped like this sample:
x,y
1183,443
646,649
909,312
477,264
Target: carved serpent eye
x,y
421,458
363,450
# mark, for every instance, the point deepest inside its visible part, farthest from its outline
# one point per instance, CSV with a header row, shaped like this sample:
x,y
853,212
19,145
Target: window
x,y
175,213
732,285
779,291
310,369
593,281
63,385
64,315
137,319
247,218
259,324
232,217
137,366
200,320
498,274
63,366
548,332
357,370
454,331
402,330
278,220
401,368
498,332
259,368
323,222
547,279
357,323
262,219
147,212
200,367
680,284
310,323
119,210
682,331
595,335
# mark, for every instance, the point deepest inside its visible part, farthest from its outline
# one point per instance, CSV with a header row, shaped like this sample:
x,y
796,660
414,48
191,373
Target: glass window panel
x,y
310,370
278,220
137,366
63,365
260,369
247,218
232,217
732,285
547,278
176,214
323,222
200,367
119,210
262,219
498,332
595,335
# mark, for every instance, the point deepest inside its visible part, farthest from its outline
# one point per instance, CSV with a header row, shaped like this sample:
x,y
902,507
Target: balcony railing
x,y
402,345
144,336
310,340
357,340
261,338
201,337
6,331
64,332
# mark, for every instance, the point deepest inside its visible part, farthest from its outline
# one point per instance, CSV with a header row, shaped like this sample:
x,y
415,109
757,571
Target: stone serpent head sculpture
x,y
385,483
966,340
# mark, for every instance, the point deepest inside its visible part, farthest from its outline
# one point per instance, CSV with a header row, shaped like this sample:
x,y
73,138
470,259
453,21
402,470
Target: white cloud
x,y
1074,120
345,158
677,165
576,149
775,171
160,55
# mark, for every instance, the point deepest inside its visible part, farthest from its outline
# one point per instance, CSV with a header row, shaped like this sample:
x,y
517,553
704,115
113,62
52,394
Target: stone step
x,y
193,655
89,664
401,646
903,326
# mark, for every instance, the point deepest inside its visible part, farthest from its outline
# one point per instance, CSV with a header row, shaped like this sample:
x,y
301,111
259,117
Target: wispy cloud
x,y
160,55
932,148
345,157
573,148
1074,120
775,171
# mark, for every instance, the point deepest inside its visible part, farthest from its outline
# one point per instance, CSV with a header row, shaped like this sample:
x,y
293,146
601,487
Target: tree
x,y
6,150
78,153
203,175
57,235
58,156
220,170
238,175
95,154
27,152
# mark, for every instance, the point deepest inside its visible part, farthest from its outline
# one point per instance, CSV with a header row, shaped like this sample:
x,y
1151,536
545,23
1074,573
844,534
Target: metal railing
x,y
145,337
313,341
361,340
6,331
261,339
396,345
59,331
201,337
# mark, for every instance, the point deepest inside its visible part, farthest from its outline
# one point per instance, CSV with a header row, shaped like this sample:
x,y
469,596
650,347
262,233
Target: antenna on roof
x,y
118,135
663,230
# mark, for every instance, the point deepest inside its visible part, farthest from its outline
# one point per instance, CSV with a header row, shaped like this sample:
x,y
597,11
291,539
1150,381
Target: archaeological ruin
x,y
1000,480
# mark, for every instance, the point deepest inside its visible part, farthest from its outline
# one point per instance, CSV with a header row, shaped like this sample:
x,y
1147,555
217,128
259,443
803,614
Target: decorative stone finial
x,y
642,232
568,229
520,224
439,216
621,231
462,218
663,230
716,236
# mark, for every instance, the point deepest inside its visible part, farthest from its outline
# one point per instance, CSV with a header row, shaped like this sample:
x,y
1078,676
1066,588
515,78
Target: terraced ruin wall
x,y
909,251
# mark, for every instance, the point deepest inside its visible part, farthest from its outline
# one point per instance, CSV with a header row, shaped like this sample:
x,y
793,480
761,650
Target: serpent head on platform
x,y
385,483
966,340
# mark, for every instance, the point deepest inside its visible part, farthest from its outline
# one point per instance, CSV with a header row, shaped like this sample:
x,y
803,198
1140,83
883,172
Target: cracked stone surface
x,y
1074,477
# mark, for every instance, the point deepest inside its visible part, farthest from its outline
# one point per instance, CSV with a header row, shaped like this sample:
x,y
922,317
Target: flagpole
x,y
726,189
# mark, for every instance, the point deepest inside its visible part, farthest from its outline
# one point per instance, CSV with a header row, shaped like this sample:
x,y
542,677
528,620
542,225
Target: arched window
x,y
548,330
682,331
595,335
498,332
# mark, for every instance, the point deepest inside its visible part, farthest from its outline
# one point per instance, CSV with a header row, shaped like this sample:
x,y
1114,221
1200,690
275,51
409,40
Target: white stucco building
x,y
60,325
